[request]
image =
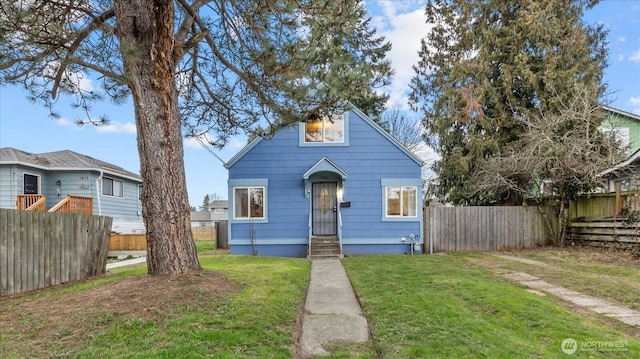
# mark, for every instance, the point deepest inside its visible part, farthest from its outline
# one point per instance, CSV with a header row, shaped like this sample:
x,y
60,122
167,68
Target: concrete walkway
x,y
332,313
609,309
126,262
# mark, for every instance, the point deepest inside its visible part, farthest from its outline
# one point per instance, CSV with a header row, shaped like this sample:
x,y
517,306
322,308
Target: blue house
x,y
339,186
54,176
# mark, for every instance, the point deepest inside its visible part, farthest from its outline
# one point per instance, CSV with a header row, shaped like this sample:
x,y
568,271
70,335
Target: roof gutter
x,y
47,168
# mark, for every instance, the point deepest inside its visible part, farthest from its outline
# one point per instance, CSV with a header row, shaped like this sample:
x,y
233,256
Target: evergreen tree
x,y
205,204
489,64
214,66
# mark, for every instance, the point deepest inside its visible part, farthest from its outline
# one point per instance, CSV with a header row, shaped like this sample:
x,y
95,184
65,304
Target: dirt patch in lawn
x,y
580,254
35,321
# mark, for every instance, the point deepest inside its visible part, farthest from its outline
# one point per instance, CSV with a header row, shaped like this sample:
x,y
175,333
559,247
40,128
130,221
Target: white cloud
x,y
404,28
117,127
622,39
635,57
64,122
635,104
111,127
84,83
193,142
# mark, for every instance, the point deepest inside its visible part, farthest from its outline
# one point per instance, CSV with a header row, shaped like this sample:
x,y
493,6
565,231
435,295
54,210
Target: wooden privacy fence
x,y
138,242
38,250
453,229
604,231
204,233
127,242
603,205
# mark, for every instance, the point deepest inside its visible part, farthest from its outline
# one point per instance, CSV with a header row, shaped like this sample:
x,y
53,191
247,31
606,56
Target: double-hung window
x,y
112,187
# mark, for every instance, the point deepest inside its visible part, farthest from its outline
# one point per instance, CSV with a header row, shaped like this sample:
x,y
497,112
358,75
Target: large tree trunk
x,y
145,30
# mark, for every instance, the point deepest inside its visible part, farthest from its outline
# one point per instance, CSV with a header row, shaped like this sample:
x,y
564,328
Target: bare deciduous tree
x,y
403,127
564,151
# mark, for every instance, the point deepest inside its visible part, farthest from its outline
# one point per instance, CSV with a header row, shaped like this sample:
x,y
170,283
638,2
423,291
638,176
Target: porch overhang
x,y
324,166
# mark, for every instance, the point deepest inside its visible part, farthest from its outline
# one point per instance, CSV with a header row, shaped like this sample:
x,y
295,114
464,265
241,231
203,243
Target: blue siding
x,y
127,207
79,183
369,158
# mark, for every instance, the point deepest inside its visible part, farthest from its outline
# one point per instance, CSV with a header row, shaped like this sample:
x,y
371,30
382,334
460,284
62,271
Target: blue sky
x,y
27,127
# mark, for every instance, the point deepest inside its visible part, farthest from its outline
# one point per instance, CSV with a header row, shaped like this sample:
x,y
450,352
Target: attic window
x,y
324,130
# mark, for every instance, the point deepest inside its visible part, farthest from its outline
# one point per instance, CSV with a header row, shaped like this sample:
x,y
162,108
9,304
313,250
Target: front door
x,y
324,209
30,184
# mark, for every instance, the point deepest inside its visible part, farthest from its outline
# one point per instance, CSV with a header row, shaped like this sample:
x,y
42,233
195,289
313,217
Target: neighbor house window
x,y
140,192
401,201
324,130
248,203
111,187
622,136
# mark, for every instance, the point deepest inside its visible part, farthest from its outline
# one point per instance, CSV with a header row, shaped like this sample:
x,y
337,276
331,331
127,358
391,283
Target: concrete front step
x,y
325,246
326,256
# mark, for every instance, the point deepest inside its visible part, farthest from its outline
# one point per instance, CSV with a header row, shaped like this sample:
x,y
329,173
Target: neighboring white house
x,y
218,211
626,174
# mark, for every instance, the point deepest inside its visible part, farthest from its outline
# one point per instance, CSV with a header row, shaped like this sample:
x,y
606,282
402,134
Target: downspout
x,y
99,191
340,229
309,231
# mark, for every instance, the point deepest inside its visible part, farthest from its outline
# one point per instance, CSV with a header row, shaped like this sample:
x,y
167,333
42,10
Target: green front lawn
x,y
451,307
454,306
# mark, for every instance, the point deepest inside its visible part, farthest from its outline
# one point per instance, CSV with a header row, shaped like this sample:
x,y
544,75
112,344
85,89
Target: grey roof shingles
x,y
57,160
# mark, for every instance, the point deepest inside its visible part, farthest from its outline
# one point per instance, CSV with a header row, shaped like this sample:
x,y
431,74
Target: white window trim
x,y
402,190
622,135
393,182
249,183
302,142
249,188
113,180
